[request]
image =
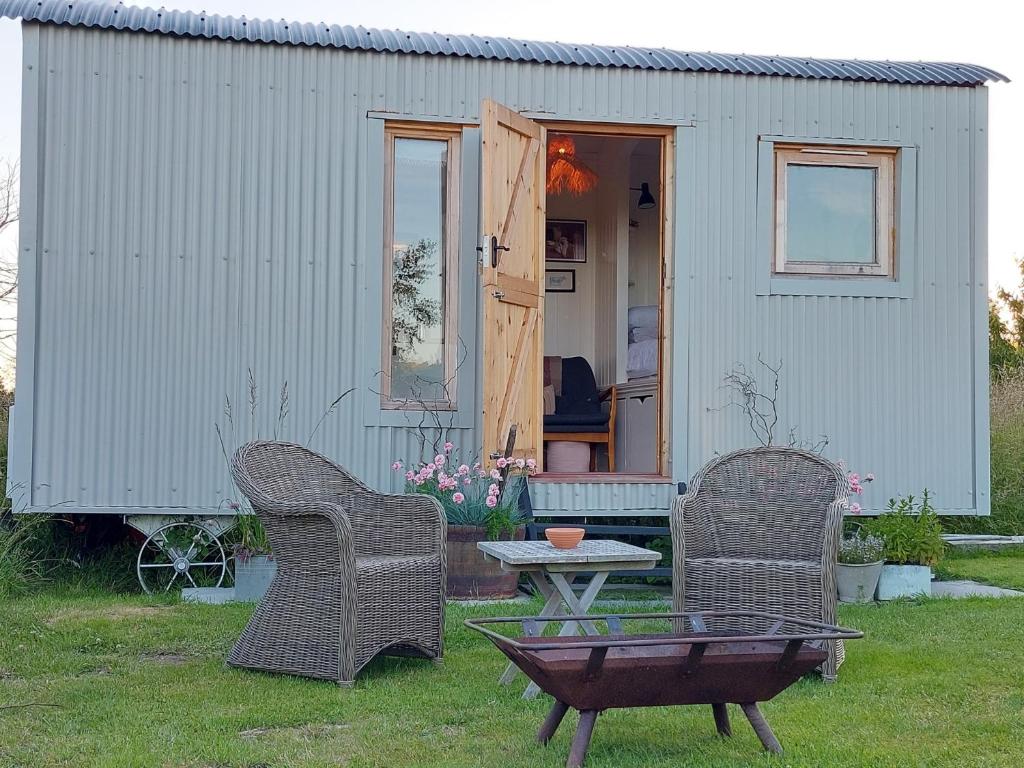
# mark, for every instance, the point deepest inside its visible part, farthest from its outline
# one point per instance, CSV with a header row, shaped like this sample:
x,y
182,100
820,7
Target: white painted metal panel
x,y
202,209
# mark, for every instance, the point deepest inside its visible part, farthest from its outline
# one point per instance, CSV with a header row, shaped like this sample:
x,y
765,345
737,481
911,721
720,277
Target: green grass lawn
x,y
1003,568
137,682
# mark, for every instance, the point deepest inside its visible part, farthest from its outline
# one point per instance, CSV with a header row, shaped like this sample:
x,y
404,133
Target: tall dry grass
x,y
1007,415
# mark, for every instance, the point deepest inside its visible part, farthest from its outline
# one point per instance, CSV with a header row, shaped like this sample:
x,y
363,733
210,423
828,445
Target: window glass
x,y
420,192
830,214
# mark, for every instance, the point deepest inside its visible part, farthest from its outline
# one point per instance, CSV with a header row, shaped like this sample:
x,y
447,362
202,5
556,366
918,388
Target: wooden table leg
x,y
580,605
552,607
761,728
721,719
567,600
580,742
552,721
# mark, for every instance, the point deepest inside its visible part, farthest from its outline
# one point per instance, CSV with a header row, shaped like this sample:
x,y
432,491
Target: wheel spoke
x,y
177,544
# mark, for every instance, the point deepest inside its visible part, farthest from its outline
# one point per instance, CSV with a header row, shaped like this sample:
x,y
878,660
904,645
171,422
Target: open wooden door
x,y
512,218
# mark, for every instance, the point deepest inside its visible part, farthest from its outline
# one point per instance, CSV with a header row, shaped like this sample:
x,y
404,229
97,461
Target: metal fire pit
x,y
700,666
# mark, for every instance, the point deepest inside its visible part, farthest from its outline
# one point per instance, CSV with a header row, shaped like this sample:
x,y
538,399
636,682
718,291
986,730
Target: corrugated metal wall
x,y
206,207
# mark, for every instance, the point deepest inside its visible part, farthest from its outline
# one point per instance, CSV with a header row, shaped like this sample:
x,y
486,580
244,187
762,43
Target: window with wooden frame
x,y
834,211
421,253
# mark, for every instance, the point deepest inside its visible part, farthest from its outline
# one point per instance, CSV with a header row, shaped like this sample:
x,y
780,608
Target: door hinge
x,y
498,294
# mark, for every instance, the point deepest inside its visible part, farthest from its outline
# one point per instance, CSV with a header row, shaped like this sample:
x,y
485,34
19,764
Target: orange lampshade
x,y
567,173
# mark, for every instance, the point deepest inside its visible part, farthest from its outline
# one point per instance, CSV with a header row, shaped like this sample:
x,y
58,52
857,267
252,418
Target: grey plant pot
x,y
857,582
253,576
898,581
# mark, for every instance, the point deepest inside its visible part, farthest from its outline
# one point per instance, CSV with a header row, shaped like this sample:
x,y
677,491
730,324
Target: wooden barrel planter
x,y
470,576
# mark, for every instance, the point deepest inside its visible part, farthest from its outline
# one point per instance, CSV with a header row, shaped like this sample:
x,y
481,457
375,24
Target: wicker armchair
x,y
759,529
359,573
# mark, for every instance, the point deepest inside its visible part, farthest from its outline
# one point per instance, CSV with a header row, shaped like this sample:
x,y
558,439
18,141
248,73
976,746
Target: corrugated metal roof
x,y
189,24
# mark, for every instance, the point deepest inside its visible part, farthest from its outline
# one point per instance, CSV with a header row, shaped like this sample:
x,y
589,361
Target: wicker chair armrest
x,y
398,523
289,516
834,517
676,523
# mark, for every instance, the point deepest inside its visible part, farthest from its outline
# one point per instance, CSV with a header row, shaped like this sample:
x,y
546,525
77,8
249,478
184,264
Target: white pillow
x,y
643,317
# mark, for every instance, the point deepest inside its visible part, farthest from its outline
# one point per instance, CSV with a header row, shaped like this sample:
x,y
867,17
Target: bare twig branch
x,y
762,410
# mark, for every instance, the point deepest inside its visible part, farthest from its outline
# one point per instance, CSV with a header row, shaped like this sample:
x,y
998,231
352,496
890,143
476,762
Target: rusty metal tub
x,y
708,657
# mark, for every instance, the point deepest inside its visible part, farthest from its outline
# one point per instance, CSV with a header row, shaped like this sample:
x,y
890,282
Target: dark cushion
x,y
555,421
579,389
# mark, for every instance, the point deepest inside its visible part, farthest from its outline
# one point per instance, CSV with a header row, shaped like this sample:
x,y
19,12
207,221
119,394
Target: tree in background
x,y
1006,329
9,213
412,310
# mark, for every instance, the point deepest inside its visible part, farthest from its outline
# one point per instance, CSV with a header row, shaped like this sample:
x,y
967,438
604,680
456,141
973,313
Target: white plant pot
x,y
898,581
253,576
857,582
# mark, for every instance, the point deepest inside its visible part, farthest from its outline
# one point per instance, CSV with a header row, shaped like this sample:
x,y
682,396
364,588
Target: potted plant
x,y
254,562
913,543
478,504
860,564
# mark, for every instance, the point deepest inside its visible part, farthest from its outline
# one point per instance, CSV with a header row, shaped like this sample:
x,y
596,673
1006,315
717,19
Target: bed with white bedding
x,y
642,352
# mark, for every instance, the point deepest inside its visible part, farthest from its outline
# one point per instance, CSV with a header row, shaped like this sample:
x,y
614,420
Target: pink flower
x,y
855,508
491,502
442,476
493,490
496,474
854,478
520,463
448,447
396,466
531,463
476,465
869,477
439,460
502,462
458,498
410,475
467,481
463,470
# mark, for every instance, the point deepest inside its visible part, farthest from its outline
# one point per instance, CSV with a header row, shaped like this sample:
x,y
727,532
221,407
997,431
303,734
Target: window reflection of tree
x,y
412,309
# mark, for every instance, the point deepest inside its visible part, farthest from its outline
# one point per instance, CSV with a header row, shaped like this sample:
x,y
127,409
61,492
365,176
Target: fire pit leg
x,y
761,728
552,721
722,719
580,742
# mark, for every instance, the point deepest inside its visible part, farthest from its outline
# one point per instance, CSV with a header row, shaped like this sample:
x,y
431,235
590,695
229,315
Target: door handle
x,y
495,248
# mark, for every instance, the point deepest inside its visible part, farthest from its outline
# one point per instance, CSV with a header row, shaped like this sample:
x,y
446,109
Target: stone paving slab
x,y
971,589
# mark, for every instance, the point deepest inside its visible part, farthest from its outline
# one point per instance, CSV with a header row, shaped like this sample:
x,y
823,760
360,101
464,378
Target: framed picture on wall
x,y
565,240
560,281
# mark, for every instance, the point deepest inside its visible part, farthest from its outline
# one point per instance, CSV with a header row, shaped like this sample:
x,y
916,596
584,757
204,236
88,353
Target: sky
x,y
986,33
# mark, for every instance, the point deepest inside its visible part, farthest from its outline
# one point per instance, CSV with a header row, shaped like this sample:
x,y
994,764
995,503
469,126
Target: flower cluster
x,y
470,493
861,549
855,486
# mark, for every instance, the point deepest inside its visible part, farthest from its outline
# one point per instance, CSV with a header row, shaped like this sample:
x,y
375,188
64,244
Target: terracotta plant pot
x,y
470,577
564,538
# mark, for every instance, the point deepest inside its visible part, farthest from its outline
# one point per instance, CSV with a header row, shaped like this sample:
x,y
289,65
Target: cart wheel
x,y
182,554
